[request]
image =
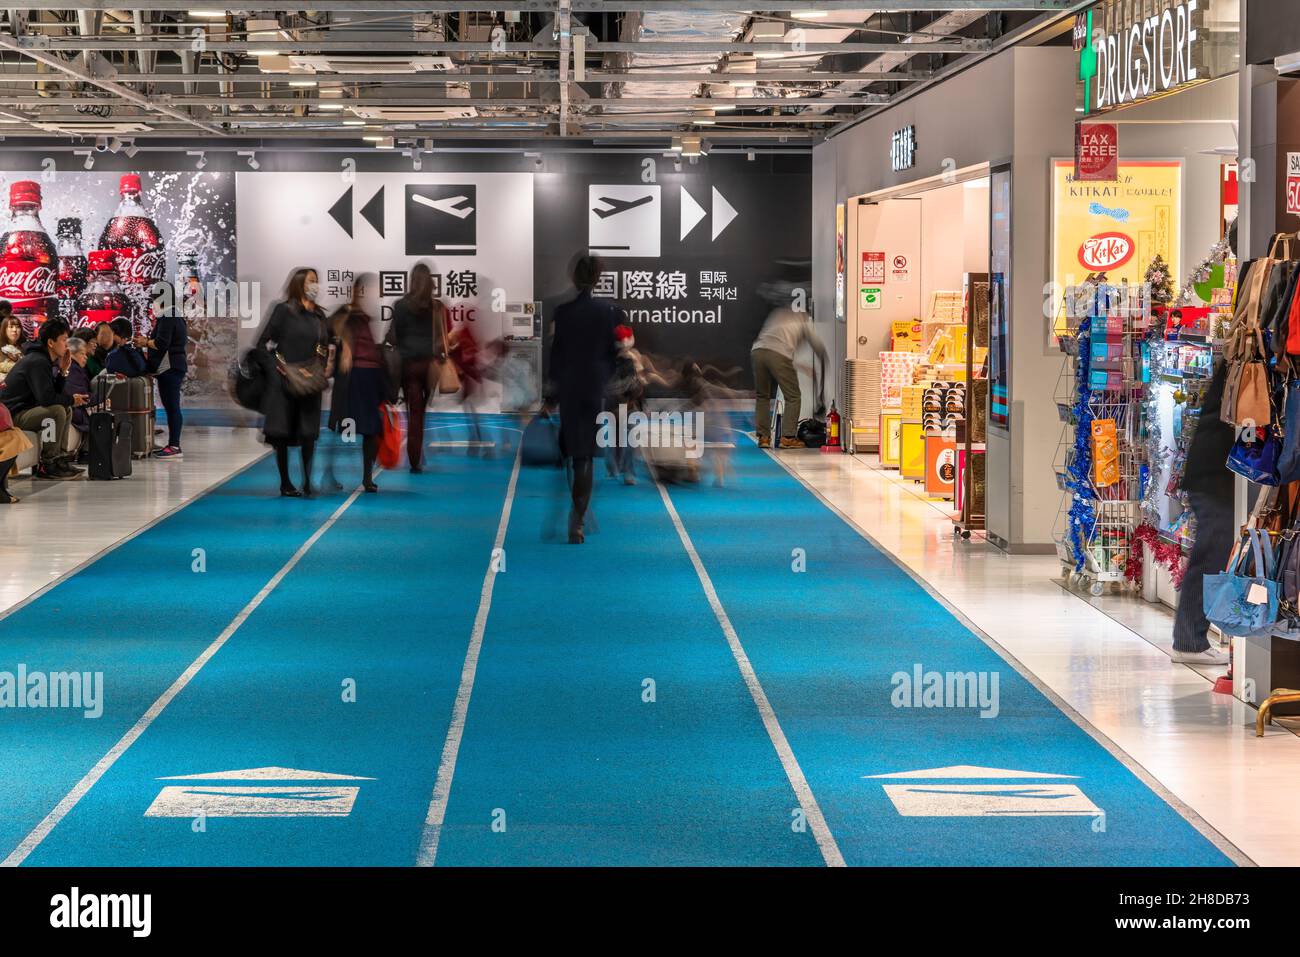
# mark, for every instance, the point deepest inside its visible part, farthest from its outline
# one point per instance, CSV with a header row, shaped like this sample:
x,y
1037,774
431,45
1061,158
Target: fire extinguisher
x,y
832,429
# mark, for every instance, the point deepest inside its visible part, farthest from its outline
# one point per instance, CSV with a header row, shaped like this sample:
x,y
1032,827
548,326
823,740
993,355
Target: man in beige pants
x,y
773,357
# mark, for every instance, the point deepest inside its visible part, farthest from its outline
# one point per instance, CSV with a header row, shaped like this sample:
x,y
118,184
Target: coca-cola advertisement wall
x,y
158,225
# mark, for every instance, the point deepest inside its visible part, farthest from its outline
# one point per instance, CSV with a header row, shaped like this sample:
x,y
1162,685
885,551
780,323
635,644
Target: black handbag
x,y
304,378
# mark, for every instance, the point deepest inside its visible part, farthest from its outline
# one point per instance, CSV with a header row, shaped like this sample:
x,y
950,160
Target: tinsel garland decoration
x,y
1167,554
1083,511
1220,252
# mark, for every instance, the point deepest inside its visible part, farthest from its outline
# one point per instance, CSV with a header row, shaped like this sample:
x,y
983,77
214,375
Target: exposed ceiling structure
x,y
686,74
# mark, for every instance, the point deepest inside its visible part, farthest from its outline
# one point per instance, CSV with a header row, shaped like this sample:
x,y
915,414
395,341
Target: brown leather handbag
x,y
304,378
444,377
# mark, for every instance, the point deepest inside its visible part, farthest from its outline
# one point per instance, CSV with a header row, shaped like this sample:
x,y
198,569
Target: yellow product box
x,y
906,336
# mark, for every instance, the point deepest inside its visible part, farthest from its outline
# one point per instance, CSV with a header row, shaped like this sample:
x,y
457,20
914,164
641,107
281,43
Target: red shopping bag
x,y
390,440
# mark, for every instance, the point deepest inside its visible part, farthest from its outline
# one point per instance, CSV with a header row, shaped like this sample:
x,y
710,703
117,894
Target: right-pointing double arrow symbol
x,y
693,212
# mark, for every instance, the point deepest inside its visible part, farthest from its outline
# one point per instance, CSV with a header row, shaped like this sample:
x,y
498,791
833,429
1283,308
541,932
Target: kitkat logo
x,y
1106,251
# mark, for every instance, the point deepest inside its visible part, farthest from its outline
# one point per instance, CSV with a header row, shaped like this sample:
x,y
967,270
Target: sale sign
x,y
1293,183
873,269
1096,152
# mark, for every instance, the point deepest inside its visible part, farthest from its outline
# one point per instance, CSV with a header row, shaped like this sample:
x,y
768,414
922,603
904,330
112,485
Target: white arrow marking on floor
x,y
990,800
252,801
266,774
692,213
985,800
723,213
969,771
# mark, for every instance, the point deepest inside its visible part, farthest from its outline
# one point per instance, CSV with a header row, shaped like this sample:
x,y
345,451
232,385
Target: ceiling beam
x,y
533,6
667,102
536,76
108,86
413,47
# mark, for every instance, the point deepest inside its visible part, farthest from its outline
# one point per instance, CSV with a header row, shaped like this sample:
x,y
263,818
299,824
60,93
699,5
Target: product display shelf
x,y
1101,460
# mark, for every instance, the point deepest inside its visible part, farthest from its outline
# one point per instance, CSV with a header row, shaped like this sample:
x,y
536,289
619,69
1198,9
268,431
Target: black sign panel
x,y
693,257
441,219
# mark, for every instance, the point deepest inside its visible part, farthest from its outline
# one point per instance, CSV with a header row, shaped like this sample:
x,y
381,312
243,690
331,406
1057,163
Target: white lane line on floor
x,y
811,809
70,800
437,812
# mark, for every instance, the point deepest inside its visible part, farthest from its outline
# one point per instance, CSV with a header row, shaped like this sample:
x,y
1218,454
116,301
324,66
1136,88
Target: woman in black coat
x,y
297,334
582,359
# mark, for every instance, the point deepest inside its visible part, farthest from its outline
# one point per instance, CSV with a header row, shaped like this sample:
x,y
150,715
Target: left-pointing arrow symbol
x,y
341,211
373,211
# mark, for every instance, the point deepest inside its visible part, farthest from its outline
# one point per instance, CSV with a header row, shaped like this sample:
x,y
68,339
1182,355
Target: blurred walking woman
x,y
361,382
418,340
297,334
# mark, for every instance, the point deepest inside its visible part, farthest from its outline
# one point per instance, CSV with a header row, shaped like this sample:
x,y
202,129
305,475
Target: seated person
x,y
101,344
12,340
77,382
34,397
124,358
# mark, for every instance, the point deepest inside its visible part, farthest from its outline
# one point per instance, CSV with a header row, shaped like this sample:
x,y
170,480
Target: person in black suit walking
x,y
582,359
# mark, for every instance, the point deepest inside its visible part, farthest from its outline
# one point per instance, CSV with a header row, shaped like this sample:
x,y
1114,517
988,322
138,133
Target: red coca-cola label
x,y
140,267
21,282
93,317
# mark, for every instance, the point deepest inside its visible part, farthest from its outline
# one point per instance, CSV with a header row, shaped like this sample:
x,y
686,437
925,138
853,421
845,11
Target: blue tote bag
x,y
1243,605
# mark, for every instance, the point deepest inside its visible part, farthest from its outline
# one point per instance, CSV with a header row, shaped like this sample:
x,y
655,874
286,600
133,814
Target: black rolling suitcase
x,y
110,441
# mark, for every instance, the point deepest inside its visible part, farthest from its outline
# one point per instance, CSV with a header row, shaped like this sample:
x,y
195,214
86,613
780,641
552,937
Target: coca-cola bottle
x,y
188,286
71,279
103,299
141,256
28,261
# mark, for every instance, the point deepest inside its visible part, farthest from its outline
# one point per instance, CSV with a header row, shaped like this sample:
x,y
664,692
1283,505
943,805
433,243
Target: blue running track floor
x,y
608,722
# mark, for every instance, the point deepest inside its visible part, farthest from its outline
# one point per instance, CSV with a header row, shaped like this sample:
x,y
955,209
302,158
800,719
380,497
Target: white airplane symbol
x,y
450,204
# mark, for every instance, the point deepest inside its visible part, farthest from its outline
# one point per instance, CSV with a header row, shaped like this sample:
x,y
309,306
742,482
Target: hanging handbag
x,y
1288,463
1246,389
1256,460
304,378
444,377
1239,604
390,439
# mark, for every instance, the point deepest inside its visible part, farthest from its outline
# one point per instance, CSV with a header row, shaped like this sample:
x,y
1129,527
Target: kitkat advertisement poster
x,y
1115,227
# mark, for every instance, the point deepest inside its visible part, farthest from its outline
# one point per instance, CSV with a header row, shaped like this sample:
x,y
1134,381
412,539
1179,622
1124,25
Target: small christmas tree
x,y
1160,282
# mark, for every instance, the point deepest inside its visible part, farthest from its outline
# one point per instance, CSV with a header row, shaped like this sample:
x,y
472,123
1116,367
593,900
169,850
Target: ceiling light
x,y
723,107
202,160
207,14
677,144
302,83
329,107
704,121
130,149
252,159
90,159
372,137
262,52
354,122
750,155
810,14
